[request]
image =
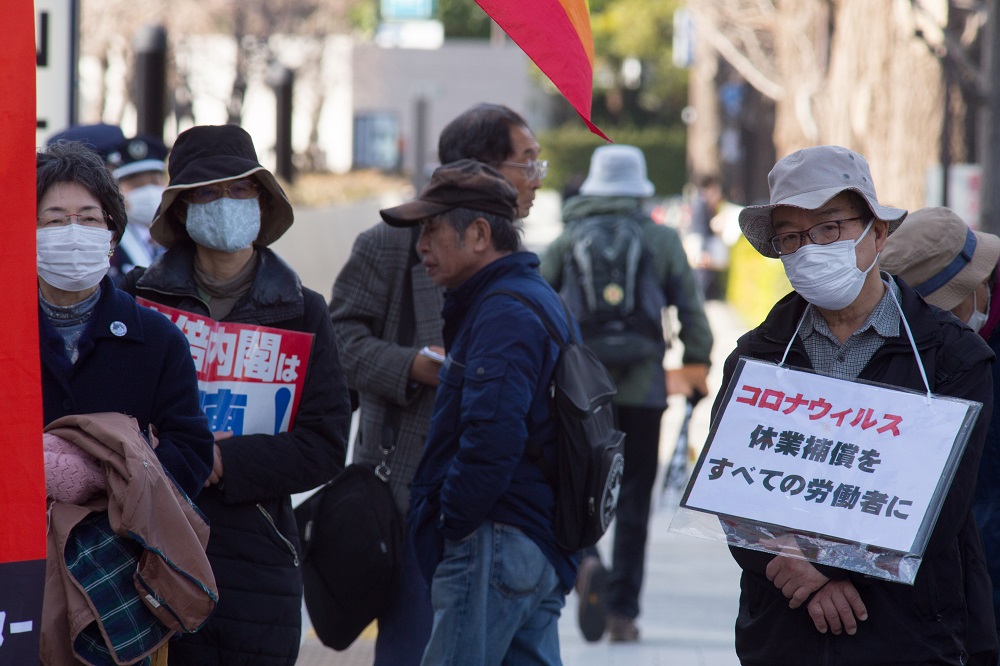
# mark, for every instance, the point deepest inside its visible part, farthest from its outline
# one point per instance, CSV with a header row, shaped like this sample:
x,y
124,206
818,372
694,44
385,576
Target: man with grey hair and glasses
x,y
847,319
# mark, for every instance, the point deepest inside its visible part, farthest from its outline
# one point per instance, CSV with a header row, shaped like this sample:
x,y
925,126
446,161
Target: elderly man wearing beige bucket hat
x,y
955,268
848,319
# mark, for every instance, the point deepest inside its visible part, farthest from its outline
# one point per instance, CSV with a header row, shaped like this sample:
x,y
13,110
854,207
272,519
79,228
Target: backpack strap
x,y
531,448
541,316
405,335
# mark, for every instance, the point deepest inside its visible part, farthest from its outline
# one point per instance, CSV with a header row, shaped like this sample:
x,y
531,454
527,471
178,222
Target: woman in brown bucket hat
x,y
218,215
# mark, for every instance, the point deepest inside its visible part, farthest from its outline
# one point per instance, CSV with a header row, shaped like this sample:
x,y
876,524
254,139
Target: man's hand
x,y
689,380
837,607
795,577
216,475
425,369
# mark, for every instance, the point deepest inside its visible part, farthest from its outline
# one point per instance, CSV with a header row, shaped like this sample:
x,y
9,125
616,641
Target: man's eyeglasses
x,y
823,233
533,169
94,218
244,188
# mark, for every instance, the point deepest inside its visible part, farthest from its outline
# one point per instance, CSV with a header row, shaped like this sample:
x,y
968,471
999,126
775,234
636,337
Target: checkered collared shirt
x,y
847,360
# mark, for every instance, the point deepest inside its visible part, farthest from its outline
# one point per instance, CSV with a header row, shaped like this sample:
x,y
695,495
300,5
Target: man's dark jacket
x,y
254,544
946,616
493,399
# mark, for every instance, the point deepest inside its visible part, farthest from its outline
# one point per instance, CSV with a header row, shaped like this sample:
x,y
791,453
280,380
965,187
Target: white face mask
x,y
226,225
73,257
827,275
978,319
141,204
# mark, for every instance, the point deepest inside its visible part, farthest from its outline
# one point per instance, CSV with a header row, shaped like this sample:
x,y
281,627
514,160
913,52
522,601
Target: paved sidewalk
x,y
691,591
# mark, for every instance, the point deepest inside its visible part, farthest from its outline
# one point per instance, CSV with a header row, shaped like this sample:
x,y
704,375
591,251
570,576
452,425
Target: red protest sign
x,y
250,377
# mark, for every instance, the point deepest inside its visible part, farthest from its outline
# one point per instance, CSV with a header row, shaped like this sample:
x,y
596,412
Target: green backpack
x,y
611,287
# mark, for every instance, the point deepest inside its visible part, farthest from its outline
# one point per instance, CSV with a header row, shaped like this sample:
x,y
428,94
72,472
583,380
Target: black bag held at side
x,y
352,533
590,448
352,540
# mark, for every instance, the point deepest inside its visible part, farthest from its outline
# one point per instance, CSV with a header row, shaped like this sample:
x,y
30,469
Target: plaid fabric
x,y
366,310
103,563
847,360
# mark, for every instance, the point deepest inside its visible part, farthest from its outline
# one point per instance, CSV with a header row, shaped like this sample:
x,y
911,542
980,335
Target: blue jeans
x,y
496,600
405,625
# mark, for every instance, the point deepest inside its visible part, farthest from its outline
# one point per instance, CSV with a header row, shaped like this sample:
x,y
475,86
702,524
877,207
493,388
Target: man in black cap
x,y
103,138
139,165
481,513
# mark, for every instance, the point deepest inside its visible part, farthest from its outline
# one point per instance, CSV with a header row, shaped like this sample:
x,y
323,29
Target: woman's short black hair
x,y
75,162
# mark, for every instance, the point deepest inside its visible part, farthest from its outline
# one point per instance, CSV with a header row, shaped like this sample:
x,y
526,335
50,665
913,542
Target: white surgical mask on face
x,y
226,225
141,204
73,257
827,275
978,319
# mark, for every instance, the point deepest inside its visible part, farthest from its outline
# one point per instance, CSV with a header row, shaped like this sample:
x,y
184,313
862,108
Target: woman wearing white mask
x,y
955,268
949,264
90,331
218,215
100,352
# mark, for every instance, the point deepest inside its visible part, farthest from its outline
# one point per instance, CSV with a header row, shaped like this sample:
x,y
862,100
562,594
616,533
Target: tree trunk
x,y
704,127
885,97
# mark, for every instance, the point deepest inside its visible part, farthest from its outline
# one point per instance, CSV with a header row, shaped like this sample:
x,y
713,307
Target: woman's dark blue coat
x,y
135,361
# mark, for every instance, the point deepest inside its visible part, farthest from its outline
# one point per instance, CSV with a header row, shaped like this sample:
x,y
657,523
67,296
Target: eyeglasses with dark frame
x,y
88,219
533,169
823,233
244,188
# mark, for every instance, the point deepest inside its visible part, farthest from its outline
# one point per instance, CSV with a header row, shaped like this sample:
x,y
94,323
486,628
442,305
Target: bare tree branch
x,y
742,64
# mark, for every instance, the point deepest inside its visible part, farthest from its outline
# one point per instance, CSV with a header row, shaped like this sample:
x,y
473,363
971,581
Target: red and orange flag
x,y
556,35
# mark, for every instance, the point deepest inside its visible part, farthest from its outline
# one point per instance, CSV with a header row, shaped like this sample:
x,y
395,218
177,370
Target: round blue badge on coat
x,y
118,328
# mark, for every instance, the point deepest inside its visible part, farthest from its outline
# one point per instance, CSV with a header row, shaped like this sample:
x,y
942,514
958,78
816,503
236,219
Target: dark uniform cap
x,y
141,153
103,138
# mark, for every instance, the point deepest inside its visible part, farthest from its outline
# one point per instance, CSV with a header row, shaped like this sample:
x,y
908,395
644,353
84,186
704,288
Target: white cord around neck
x,y
913,345
902,318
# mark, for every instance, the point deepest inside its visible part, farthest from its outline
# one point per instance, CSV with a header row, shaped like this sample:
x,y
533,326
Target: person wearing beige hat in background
x,y
955,268
846,319
946,262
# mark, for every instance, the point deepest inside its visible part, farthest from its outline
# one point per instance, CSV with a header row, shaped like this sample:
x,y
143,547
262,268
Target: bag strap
x,y
541,316
405,335
531,448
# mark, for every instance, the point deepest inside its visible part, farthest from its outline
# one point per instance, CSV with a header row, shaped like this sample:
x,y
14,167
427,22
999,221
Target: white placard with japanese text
x,y
850,461
250,378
